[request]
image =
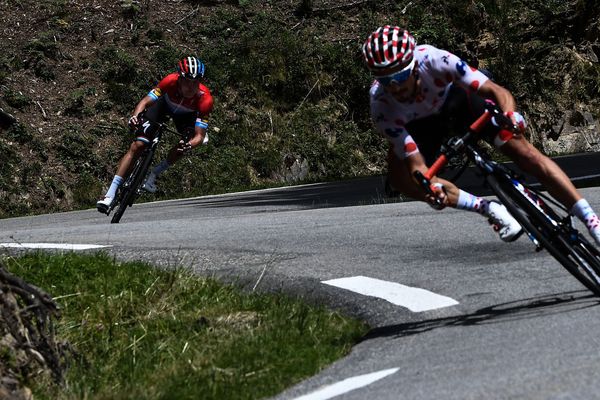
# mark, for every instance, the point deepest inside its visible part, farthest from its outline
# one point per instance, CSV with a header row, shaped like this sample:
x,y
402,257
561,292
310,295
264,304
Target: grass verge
x,y
144,333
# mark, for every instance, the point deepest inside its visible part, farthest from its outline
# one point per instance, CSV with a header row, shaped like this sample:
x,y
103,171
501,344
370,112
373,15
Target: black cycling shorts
x,y
460,110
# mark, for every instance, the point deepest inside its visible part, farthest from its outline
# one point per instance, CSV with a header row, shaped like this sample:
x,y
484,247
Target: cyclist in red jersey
x,y
183,97
422,92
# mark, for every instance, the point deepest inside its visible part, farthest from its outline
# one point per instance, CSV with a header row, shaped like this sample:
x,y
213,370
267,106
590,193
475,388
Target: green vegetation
x,y
143,333
17,100
288,79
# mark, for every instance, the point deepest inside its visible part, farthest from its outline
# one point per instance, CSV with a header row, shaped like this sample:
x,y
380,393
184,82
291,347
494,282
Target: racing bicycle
x,y
546,222
132,187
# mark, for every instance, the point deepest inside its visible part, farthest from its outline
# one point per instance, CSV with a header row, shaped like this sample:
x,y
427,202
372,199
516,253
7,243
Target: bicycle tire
x,y
588,257
575,254
134,181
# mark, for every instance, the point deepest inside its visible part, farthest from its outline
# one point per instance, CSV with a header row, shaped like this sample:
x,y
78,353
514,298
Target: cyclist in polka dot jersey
x,y
438,70
421,95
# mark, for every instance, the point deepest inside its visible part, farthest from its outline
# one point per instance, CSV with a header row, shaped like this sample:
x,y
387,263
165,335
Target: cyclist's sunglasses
x,y
190,79
397,77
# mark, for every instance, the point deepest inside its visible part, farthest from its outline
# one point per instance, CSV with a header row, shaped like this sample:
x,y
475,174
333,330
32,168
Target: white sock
x,y
470,202
586,214
116,182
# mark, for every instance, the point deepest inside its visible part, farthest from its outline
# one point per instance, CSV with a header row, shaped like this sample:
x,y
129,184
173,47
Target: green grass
x,y
145,333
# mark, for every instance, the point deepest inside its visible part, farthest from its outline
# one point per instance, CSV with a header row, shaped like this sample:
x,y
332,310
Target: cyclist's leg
x,y
185,126
400,177
143,136
532,161
123,170
554,179
467,106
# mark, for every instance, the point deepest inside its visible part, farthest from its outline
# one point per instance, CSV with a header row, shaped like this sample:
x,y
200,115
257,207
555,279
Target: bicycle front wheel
x,y
130,189
566,245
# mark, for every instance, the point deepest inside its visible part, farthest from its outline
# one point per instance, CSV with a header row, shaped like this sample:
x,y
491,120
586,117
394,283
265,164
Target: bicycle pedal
x,y
103,210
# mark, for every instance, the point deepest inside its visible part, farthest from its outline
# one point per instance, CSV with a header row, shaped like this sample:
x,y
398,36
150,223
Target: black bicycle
x,y
549,228
129,191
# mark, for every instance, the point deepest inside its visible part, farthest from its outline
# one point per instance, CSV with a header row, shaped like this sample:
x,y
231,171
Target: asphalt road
x,y
522,327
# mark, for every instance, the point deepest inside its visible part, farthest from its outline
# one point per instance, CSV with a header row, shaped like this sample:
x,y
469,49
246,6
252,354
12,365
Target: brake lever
x,y
426,186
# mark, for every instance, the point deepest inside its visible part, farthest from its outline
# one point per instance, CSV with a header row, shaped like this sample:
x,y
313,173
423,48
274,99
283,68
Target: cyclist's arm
x,y
143,104
415,162
205,107
446,67
503,97
444,192
198,138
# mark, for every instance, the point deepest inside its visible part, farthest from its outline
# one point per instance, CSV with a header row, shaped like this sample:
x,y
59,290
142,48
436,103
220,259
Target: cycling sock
x,y
586,214
469,202
116,182
160,168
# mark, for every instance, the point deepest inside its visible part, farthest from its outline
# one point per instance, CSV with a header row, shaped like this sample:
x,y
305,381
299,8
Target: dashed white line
x,y
415,299
347,385
61,246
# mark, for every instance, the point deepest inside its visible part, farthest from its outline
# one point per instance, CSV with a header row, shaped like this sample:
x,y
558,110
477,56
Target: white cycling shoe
x,y
507,227
104,204
150,184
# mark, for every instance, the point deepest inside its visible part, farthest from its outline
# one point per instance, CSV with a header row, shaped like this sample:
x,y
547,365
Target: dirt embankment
x,y
289,85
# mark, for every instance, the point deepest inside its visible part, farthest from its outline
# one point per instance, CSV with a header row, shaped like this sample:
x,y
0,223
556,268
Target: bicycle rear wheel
x,y
130,187
586,257
565,244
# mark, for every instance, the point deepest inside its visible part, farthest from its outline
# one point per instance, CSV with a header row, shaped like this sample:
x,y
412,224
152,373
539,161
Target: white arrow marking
x,y
347,385
63,246
415,299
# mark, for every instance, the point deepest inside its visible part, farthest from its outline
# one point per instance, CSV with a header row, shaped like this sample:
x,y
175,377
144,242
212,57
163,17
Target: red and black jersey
x,y
202,102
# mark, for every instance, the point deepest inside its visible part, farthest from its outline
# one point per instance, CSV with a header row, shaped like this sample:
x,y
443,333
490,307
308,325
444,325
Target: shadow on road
x,y
359,191
371,190
512,311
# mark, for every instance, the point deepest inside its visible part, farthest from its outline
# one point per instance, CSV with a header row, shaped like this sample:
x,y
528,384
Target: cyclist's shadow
x,y
522,309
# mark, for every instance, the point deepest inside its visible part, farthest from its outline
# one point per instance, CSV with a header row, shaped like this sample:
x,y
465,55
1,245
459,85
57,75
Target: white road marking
x,y
63,246
347,385
415,299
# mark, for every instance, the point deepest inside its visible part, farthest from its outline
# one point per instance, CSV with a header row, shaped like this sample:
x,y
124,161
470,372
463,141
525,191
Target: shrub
x,y
16,99
19,133
124,82
75,103
76,151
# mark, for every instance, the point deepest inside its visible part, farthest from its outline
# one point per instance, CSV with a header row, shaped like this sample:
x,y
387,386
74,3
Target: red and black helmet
x,y
387,47
191,68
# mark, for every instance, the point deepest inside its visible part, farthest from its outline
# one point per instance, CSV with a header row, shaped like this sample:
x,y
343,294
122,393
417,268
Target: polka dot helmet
x,y
388,47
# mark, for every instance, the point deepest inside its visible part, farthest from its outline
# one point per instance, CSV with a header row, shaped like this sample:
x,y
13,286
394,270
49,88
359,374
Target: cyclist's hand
x,y
439,199
517,120
183,147
133,121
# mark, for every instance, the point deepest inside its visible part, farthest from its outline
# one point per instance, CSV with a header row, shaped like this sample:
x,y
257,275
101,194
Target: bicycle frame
x,y
131,188
464,145
490,167
544,226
